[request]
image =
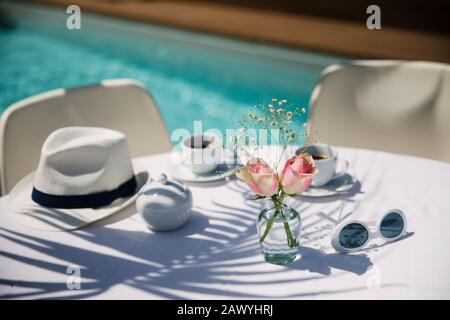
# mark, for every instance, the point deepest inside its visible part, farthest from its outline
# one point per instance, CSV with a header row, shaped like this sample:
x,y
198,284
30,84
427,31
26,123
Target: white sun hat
x,y
84,174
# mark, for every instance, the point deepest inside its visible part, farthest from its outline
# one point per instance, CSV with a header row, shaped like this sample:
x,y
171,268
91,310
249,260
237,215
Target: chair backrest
x,y
121,104
396,106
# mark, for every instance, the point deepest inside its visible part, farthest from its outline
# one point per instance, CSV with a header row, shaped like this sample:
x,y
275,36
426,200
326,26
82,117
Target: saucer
x,y
336,186
182,172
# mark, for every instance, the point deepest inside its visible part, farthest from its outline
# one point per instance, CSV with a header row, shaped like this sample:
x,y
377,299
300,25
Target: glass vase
x,y
279,230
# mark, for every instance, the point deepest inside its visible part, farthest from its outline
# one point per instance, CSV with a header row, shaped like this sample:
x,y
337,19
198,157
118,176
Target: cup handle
x,y
343,170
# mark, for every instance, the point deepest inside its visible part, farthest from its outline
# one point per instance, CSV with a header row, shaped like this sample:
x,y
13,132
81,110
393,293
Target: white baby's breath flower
x,y
303,110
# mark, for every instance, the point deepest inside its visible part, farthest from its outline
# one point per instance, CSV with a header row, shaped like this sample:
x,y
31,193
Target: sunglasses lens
x,y
353,235
392,225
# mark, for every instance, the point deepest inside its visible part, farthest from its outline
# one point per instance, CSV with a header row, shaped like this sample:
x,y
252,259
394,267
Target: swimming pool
x,y
192,76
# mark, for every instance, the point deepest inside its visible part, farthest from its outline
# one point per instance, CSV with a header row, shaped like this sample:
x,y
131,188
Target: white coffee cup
x,y
326,160
201,153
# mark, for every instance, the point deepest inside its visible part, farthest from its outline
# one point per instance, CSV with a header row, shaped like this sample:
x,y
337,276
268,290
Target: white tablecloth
x,y
217,255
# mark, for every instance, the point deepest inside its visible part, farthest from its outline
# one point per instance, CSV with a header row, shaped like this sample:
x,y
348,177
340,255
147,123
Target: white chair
x,y
396,106
121,104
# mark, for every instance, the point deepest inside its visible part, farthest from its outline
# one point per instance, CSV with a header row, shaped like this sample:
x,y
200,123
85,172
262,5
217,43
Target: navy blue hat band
x,y
93,200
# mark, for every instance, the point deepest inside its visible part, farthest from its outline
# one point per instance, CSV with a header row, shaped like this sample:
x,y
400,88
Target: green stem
x,y
268,227
292,242
271,220
278,202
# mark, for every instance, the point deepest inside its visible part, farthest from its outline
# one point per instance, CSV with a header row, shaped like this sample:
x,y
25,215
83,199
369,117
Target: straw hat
x,y
84,174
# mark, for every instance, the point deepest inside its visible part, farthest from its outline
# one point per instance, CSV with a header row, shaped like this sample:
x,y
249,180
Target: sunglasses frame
x,y
371,234
380,220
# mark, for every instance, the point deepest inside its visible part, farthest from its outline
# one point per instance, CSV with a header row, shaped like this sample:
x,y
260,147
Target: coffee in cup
x,y
326,161
201,153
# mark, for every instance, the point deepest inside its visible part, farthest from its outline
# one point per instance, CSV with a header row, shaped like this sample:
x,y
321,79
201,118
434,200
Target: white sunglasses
x,y
354,234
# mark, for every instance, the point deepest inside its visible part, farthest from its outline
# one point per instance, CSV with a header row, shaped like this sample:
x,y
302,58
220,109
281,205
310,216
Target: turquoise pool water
x,y
191,76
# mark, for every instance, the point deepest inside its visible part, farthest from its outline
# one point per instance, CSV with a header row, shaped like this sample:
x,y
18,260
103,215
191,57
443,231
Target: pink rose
x,y
260,177
297,174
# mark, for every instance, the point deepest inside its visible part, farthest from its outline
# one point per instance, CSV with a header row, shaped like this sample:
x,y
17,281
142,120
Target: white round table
x,y
217,255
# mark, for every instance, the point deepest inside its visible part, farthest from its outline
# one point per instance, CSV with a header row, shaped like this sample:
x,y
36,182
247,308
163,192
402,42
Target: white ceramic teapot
x,y
165,204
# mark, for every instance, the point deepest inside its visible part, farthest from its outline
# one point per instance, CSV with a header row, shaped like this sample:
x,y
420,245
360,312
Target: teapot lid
x,y
165,194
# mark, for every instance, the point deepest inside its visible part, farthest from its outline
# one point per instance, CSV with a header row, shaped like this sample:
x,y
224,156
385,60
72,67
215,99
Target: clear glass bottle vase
x,y
279,230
